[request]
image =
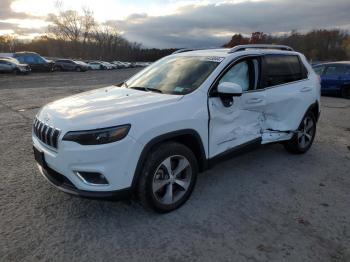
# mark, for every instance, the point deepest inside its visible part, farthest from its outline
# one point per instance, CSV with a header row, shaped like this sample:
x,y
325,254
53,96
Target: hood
x,y
102,107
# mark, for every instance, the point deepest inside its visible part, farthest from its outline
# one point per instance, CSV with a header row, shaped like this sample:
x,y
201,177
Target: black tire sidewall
x,y
152,162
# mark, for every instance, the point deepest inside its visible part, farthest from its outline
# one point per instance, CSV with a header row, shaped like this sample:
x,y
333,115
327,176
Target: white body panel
x,y
286,104
115,106
235,125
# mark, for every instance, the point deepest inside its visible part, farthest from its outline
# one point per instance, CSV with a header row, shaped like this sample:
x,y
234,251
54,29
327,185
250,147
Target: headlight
x,y
98,136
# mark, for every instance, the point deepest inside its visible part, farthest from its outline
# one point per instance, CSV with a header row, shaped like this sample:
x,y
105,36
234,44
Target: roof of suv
x,y
225,52
26,53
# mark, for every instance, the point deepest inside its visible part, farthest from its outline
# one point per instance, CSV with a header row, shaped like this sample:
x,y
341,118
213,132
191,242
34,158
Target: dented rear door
x,y
287,97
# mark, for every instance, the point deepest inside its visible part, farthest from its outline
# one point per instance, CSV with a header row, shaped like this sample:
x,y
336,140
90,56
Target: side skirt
x,y
241,149
275,136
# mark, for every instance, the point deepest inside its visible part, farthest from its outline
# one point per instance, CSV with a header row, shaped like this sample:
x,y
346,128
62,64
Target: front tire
x,y
168,177
304,137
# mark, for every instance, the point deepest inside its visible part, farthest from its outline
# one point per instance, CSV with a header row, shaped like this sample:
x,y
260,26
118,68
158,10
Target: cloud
x,y
18,23
7,26
210,25
6,12
195,23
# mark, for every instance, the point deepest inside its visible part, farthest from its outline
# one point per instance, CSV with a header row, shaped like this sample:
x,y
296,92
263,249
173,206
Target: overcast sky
x,y
191,23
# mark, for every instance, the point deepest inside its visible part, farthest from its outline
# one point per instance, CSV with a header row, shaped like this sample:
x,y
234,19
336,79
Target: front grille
x,y
45,133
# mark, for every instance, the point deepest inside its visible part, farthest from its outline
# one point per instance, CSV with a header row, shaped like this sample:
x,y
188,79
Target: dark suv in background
x,y
335,78
35,61
70,65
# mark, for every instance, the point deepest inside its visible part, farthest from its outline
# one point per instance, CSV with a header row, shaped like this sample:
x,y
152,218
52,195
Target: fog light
x,y
92,178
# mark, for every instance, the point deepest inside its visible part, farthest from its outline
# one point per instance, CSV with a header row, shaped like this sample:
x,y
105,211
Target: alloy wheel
x,y
306,132
172,179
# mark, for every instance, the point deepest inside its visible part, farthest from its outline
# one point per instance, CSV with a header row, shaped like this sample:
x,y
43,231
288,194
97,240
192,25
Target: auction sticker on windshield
x,y
217,59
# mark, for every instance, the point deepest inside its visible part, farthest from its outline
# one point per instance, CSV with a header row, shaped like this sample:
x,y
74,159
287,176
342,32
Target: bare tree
x,y
71,26
88,24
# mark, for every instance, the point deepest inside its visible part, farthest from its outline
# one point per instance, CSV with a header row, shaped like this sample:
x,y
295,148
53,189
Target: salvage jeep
x,y
153,134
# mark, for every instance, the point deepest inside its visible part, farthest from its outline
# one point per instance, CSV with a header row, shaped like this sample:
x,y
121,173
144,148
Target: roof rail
x,y
183,51
259,46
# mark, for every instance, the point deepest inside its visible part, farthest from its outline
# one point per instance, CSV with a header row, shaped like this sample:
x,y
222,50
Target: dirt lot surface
x,y
265,205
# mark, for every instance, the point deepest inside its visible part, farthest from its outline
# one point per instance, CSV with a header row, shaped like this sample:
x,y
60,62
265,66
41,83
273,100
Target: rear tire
x,y
303,139
168,177
345,92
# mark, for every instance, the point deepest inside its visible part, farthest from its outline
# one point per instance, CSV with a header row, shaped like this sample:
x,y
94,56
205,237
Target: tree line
x,y
80,36
316,45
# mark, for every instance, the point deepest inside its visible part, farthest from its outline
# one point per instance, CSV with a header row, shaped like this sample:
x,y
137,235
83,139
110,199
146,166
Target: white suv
x,y
155,132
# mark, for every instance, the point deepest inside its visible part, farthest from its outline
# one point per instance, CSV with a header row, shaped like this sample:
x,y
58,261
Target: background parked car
x,y
142,64
35,61
108,65
128,65
119,64
113,65
335,78
70,65
97,66
11,65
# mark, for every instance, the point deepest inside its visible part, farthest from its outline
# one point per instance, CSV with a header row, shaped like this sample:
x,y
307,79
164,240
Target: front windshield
x,y
174,75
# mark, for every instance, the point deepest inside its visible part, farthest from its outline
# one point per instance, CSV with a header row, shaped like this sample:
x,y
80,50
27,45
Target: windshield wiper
x,y
147,89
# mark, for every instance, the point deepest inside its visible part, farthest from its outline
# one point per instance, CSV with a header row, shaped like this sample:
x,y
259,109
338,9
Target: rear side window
x,y
30,59
282,69
334,70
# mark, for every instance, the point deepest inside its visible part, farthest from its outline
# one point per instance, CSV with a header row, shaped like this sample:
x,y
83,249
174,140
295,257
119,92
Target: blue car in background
x,y
335,78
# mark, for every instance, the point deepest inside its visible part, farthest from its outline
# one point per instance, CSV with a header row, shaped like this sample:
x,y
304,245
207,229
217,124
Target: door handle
x,y
306,89
254,100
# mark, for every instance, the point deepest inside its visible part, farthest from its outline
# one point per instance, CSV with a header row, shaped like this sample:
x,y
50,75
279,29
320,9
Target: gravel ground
x,y
265,205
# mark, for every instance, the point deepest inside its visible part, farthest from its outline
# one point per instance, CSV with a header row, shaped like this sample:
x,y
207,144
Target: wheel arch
x,y
315,109
187,137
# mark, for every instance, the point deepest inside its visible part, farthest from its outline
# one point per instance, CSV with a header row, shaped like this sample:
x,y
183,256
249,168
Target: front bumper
x,y
65,185
116,162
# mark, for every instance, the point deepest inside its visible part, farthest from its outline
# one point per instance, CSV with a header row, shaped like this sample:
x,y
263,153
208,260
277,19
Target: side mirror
x,y
231,89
